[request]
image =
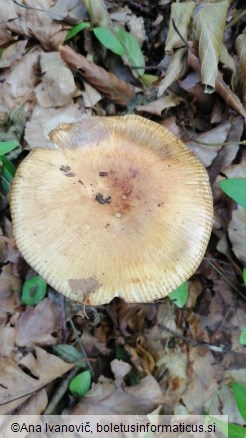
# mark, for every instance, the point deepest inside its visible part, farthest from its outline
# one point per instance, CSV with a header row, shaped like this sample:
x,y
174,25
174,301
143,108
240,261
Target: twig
x,y
195,343
60,392
81,346
226,279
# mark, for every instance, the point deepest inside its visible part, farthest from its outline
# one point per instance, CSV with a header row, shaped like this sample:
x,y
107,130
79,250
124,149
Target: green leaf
x,y
69,354
33,290
4,185
244,275
7,146
179,295
149,79
76,29
239,392
236,189
242,338
80,384
109,40
132,50
235,431
8,169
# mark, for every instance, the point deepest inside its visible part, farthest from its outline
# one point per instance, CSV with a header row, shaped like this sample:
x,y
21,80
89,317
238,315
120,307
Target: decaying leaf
x,y
214,136
159,105
16,386
105,398
181,13
209,25
241,51
58,86
177,67
114,89
37,325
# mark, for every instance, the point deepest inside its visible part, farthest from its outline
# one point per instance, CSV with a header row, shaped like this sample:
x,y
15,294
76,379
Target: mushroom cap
x,y
119,207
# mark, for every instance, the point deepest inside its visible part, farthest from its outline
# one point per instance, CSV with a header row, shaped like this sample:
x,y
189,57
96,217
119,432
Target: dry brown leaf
x,y
71,11
105,398
220,86
7,340
12,53
237,233
37,324
120,369
157,106
21,81
93,346
192,84
17,386
177,67
208,153
7,11
90,96
223,401
209,24
58,86
36,21
181,13
114,89
175,379
43,120
9,290
36,404
241,51
204,377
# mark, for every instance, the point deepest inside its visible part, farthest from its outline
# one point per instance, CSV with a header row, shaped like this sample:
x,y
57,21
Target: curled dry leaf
x,y
209,26
181,13
220,86
229,63
114,89
14,391
71,11
241,51
58,86
177,67
157,106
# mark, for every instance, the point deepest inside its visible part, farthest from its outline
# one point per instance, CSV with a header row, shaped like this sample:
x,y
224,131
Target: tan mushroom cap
x,y
119,207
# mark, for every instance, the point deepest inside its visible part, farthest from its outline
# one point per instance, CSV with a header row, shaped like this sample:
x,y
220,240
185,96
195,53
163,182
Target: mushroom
x,y
118,208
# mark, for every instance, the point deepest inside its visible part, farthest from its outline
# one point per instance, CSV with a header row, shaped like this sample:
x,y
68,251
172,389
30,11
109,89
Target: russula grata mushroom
x,y
119,207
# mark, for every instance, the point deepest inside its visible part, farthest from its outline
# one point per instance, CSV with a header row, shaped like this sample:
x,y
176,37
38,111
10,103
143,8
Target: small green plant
x,y
180,295
33,291
80,384
239,393
118,40
7,168
236,189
